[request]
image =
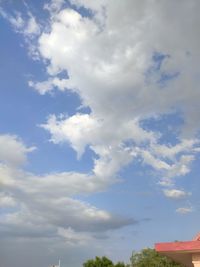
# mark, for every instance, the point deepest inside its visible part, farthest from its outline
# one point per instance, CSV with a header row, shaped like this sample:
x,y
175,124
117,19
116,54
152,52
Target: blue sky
x,y
99,132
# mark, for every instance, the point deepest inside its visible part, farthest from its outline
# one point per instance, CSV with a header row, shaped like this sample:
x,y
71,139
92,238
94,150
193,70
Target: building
x,y
186,253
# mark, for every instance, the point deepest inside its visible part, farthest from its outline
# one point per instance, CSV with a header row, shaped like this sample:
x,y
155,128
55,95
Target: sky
x,y
99,128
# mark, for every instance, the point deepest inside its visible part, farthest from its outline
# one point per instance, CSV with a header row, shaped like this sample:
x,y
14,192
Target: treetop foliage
x,y
102,262
145,258
150,258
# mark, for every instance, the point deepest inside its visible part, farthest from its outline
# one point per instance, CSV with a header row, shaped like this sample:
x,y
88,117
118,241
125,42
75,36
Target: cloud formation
x,y
175,193
27,25
131,68
184,210
127,73
46,206
13,151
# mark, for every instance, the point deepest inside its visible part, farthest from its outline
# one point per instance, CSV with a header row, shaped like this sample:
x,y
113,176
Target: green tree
x,y
102,262
150,258
99,262
120,264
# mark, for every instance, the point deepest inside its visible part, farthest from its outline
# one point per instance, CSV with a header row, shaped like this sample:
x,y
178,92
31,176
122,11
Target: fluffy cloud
x,y
126,73
184,210
80,130
30,193
112,68
175,193
129,65
48,86
115,150
13,151
46,206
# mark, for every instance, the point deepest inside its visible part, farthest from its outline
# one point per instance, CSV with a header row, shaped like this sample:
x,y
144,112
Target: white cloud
x,y
182,167
79,130
170,152
48,86
184,210
28,194
25,24
154,162
32,26
16,21
176,193
55,184
13,151
30,215
37,217
82,130
112,68
54,6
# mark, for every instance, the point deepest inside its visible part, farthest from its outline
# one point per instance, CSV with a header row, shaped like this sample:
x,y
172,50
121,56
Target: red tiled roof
x,y
178,246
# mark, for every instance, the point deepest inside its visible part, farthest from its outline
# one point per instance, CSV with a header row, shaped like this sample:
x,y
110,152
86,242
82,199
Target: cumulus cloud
x,y
30,193
184,210
126,73
82,130
170,152
13,151
48,86
42,219
26,213
176,193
